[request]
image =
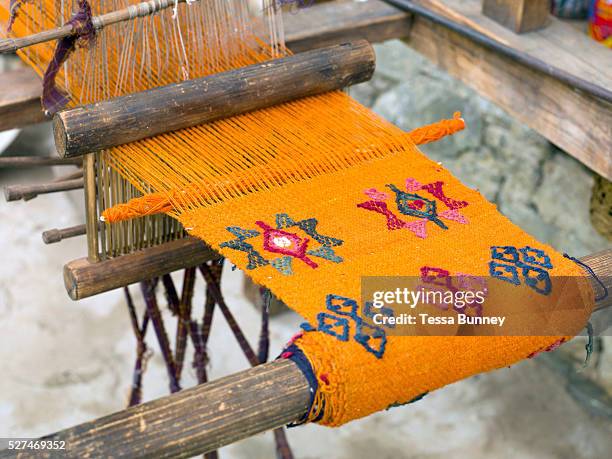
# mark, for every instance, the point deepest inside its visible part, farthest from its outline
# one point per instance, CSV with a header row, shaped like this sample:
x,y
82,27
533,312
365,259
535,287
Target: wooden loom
x,y
276,393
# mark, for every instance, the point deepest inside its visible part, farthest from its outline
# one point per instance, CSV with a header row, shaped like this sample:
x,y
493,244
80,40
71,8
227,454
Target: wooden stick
x,y
16,192
91,207
36,161
144,114
10,45
215,414
84,278
56,235
73,175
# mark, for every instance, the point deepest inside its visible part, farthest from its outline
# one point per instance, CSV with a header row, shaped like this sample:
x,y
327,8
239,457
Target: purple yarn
x,y
84,34
14,8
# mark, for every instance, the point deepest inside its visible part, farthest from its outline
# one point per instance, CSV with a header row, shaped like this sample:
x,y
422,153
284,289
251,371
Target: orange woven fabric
x,y
353,382
310,196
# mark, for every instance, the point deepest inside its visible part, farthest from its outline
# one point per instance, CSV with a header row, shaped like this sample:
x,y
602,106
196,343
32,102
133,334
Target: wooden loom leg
x,y
199,335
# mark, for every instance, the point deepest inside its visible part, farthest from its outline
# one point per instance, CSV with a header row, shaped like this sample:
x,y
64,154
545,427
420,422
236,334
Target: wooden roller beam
x,y
218,413
84,278
144,114
191,421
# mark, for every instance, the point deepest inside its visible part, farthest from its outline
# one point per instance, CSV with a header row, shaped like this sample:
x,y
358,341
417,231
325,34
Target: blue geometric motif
x,y
504,272
372,338
342,305
528,261
536,257
333,325
538,279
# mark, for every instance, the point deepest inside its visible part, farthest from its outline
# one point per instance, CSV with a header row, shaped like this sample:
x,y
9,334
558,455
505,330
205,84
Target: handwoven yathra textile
x,y
309,197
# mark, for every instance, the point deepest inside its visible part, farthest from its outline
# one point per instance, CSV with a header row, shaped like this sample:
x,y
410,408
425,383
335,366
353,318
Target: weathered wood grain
x,y
559,46
192,421
84,278
20,92
518,15
601,264
144,114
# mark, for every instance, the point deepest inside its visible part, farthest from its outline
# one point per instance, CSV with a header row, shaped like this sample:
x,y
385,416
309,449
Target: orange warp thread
x,y
163,202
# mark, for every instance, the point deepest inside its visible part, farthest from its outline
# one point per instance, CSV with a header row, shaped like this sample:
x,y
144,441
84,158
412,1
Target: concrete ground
x,y
65,362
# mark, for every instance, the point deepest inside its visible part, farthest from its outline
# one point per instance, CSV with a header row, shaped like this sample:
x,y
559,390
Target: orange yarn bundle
x,y
309,197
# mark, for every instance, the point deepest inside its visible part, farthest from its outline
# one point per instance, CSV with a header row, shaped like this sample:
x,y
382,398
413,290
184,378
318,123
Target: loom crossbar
x,y
144,114
220,412
84,278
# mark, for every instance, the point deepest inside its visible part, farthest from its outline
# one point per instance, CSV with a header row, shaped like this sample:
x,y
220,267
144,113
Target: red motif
x,y
435,189
285,243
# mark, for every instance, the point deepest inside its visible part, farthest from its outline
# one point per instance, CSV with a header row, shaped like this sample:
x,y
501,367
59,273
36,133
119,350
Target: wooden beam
x,y
84,278
20,93
144,114
340,21
218,413
192,421
518,15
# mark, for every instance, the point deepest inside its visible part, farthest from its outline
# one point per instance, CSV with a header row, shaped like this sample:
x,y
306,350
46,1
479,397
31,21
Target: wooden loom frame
x,y
276,393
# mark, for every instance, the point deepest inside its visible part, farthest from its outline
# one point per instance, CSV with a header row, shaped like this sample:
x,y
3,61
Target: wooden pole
x,y
218,413
16,192
192,421
84,278
144,114
64,178
36,161
10,45
91,207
